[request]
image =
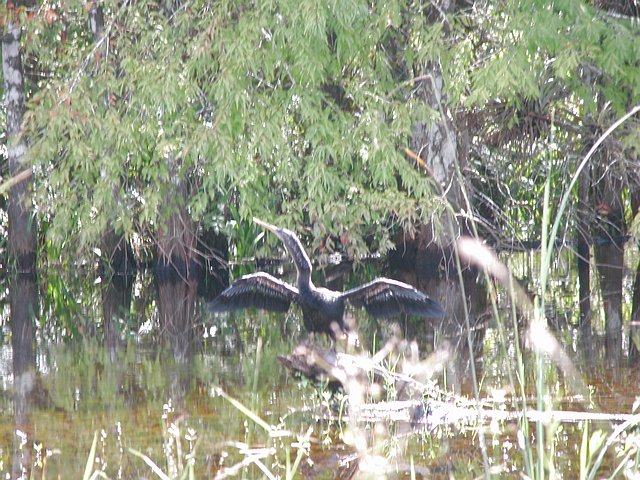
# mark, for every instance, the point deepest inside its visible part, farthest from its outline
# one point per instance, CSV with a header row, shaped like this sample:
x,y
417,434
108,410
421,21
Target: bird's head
x,y
282,233
291,243
287,237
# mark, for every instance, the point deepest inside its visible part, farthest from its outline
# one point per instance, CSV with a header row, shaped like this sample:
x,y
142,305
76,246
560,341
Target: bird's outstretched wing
x,y
258,290
384,297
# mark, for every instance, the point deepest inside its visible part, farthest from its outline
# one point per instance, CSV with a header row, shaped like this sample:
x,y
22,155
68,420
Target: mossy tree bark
x,y
22,227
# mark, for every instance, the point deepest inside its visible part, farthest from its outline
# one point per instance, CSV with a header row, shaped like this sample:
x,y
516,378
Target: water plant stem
x,y
546,259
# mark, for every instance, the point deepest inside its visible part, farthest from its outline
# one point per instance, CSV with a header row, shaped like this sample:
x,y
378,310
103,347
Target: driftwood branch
x,y
428,405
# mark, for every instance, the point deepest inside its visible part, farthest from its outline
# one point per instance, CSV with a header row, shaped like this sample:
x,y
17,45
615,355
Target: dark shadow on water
x,y
181,277
116,308
23,298
610,263
178,307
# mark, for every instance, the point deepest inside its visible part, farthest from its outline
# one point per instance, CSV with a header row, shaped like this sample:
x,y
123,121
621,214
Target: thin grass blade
x,y
149,462
244,410
91,459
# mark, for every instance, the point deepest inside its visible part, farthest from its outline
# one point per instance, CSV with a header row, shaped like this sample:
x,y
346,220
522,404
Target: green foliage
x,y
542,81
297,112
281,104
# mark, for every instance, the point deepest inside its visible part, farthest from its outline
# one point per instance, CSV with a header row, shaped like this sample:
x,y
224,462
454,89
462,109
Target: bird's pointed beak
x,y
268,226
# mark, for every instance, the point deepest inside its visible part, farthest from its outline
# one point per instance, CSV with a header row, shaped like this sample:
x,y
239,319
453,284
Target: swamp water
x,y
77,401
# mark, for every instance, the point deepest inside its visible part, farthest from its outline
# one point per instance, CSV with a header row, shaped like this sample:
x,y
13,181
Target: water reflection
x,y
160,398
177,307
116,305
23,300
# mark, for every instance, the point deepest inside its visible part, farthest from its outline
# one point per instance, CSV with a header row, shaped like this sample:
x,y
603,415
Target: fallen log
x,y
427,405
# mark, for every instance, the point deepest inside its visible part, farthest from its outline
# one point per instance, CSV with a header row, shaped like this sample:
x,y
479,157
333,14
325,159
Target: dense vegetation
x,y
155,127
303,111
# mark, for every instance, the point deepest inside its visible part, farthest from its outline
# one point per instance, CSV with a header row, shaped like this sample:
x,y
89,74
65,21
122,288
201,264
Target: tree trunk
x,y
23,299
609,254
96,21
22,228
583,252
178,269
443,148
117,255
634,325
116,305
583,261
177,276
610,264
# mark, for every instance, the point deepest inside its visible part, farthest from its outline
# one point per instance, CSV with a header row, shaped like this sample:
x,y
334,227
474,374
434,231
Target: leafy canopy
x,y
296,111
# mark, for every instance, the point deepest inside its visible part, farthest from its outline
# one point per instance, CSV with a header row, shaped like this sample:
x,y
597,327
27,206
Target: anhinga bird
x,y
322,309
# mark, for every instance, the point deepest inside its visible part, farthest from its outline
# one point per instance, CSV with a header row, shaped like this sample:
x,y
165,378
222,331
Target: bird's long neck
x,y
302,262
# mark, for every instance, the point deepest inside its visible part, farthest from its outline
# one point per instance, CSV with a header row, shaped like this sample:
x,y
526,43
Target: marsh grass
x,y
369,423
372,422
539,453
274,439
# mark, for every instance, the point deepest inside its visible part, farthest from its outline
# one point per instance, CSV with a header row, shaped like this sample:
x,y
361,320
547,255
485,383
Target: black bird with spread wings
x,y
322,309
